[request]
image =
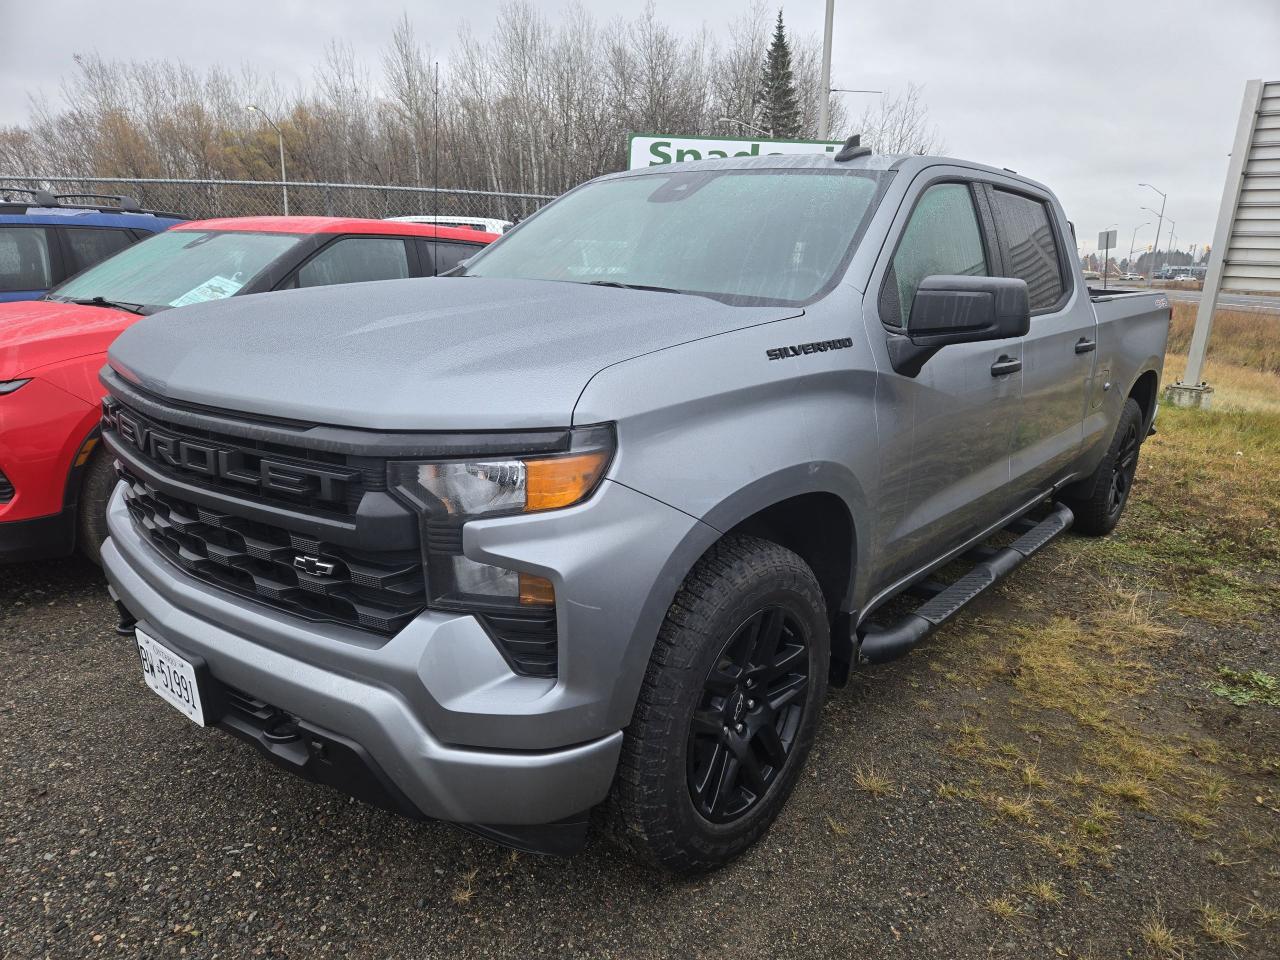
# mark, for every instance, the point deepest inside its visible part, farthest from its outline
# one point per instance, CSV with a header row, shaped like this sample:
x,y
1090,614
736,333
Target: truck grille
x,y
378,592
250,470
6,488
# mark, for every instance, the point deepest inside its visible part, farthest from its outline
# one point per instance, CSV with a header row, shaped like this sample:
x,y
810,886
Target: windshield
x,y
741,236
177,268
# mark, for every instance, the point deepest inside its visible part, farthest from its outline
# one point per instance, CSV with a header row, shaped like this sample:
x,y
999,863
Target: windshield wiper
x,y
104,302
630,286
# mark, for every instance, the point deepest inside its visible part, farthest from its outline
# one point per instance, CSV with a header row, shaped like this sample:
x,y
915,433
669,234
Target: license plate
x,y
170,676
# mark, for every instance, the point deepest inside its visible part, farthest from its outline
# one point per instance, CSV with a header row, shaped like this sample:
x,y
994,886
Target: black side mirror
x,y
959,309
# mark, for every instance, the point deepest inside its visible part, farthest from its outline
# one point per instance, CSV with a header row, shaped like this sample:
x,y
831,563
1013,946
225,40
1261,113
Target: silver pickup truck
x,y
582,533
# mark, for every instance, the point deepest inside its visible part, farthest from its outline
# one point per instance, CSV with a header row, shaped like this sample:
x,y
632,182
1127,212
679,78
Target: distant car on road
x,y
1184,278
45,239
483,224
1092,275
1132,276
54,482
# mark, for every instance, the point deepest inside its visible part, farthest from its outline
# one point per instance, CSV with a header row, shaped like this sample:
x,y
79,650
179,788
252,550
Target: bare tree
x,y
540,106
900,124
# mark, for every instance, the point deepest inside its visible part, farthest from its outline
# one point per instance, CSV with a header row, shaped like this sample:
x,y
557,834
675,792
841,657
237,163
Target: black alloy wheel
x,y
749,713
1124,470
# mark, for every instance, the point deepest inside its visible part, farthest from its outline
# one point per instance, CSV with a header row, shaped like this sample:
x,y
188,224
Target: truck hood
x,y
36,333
426,354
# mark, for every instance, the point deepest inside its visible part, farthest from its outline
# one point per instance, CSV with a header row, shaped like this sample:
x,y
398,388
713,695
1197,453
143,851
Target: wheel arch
x,y
1146,392
816,510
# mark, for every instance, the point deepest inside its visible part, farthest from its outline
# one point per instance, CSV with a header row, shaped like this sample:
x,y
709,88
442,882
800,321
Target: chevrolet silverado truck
x,y
580,534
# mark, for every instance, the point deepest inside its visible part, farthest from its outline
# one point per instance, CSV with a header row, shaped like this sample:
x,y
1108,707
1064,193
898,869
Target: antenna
x,y
853,149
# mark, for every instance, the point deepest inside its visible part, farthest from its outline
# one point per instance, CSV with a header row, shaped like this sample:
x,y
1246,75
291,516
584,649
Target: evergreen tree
x,y
779,106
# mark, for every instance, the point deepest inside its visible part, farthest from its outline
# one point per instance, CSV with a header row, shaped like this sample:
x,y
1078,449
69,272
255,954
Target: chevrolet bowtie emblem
x,y
313,565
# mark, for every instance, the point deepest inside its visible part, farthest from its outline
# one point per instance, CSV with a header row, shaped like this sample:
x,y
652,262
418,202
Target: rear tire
x,y
727,711
1099,500
95,490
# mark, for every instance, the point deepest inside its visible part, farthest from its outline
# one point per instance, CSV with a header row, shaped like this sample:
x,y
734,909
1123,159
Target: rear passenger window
x,y
89,246
942,237
448,255
24,259
1033,252
354,260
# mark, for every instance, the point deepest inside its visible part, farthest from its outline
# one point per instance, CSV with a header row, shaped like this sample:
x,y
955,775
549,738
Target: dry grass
x,y
464,894
868,780
1045,892
1195,821
1244,338
1161,939
1221,927
1004,908
1208,513
1130,789
1261,916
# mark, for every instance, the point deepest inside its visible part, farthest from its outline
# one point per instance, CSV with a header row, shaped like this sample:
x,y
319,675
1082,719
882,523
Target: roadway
x,y
1231,301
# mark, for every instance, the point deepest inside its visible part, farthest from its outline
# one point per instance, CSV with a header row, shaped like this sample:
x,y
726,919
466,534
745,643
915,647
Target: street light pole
x,y
1159,222
824,85
1133,240
284,186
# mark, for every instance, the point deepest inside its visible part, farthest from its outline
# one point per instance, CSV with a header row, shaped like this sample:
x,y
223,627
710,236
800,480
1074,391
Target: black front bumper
x,y
41,538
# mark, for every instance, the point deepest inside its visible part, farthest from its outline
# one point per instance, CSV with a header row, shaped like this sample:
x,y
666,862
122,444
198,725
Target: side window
x,y
24,259
448,255
942,237
89,245
353,260
1025,228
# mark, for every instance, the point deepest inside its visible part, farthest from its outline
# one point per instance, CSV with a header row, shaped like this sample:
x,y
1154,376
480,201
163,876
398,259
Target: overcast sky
x,y
1089,98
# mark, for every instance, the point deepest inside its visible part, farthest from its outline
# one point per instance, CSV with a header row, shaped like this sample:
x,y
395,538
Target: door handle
x,y
1005,365
1085,345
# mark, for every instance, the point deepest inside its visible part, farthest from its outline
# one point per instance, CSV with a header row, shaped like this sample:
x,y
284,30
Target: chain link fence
x,y
202,199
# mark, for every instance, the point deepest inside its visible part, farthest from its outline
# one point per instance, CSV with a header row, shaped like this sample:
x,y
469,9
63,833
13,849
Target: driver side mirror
x,y
959,309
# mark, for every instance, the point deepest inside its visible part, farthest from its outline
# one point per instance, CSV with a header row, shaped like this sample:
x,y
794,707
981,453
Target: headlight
x,y
448,493
8,386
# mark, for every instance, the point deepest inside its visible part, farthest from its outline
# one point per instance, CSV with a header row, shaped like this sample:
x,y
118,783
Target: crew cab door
x,y
947,430
1059,352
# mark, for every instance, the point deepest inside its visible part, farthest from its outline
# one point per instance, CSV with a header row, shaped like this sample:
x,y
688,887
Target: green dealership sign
x,y
651,150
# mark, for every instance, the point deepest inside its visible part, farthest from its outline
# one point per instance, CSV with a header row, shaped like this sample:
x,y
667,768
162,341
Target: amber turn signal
x,y
536,591
562,481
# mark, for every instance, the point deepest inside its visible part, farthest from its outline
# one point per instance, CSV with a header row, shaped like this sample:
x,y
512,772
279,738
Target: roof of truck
x,y
355,225
908,163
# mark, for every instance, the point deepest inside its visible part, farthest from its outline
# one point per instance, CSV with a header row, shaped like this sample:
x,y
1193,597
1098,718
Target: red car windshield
x,y
177,268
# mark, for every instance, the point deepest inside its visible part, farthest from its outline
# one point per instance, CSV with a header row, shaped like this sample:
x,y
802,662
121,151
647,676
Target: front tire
x,y
95,490
727,711
1099,500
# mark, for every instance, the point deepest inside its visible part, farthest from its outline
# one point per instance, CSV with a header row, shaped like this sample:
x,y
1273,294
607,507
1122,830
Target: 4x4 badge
x,y
313,565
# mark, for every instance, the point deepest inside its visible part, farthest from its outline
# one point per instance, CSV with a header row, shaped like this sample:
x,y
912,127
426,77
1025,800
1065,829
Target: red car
x,y
54,482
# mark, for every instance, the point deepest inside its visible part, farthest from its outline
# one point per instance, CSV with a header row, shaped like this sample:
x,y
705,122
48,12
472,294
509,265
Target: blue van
x,y
45,239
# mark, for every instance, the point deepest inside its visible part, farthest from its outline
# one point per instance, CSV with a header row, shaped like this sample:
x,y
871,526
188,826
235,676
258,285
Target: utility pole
x,y
284,186
1159,223
824,84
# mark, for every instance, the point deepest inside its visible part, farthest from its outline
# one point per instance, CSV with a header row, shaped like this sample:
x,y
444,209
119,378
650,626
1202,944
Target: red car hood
x,y
34,333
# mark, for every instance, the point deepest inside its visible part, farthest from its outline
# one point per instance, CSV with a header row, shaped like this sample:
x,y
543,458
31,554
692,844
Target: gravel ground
x,y
127,831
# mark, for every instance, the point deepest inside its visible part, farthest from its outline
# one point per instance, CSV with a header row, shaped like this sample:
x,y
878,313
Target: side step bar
x,y
879,644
